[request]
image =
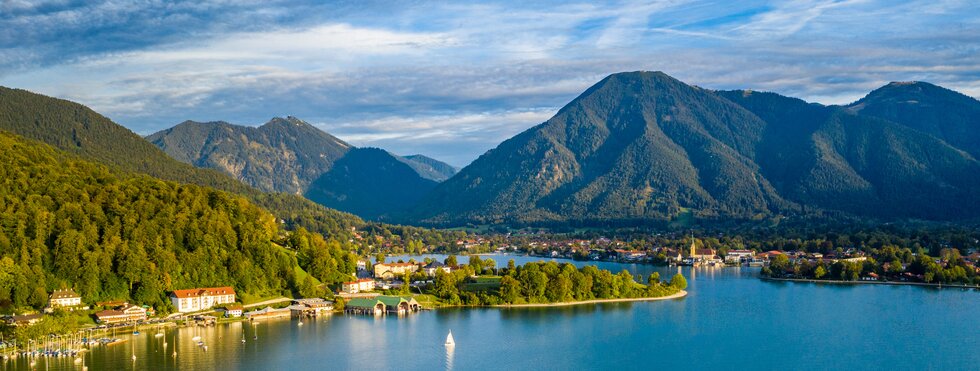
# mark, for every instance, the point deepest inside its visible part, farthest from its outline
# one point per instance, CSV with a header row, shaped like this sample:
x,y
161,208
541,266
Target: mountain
x,y
290,155
371,183
112,234
283,155
934,110
76,129
832,158
430,168
643,146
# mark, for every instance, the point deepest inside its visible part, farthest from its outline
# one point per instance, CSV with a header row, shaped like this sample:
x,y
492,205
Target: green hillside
x,y
68,222
77,129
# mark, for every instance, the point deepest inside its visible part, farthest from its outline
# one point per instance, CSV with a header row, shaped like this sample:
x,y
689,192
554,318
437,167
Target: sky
x,y
453,79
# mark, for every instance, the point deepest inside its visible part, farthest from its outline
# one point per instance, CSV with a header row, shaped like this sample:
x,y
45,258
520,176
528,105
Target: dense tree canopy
x,y
66,222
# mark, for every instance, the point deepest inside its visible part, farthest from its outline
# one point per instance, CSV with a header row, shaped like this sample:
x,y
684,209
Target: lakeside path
x,y
680,294
892,283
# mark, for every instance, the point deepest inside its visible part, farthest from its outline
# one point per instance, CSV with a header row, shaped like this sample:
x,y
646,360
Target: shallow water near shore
x,y
730,319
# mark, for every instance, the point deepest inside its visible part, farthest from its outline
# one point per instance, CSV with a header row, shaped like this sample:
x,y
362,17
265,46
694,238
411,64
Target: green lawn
x,y
483,283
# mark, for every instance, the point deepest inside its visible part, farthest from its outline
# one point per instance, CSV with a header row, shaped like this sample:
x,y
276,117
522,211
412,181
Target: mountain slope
x,y
77,129
283,155
634,146
643,146
289,155
430,168
833,158
109,234
934,110
369,182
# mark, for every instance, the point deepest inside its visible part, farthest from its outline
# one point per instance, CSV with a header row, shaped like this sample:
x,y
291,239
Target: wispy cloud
x,y
454,79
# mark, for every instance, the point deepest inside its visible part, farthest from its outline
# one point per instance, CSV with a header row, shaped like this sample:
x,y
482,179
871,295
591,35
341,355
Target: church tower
x,y
693,247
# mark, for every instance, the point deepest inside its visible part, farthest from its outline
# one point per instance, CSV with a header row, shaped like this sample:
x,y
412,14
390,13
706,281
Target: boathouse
x,y
383,305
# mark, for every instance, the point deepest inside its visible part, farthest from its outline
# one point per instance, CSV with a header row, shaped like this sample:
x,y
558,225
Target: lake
x,y
730,319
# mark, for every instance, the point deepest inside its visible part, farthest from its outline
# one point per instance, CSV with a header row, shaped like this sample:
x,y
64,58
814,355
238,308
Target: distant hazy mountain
x,y
430,168
369,182
290,155
643,146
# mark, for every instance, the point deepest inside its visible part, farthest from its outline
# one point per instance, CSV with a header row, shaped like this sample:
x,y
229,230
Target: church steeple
x,y
693,247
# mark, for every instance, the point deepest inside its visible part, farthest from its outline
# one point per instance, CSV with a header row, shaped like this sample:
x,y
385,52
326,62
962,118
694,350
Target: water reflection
x,y
450,355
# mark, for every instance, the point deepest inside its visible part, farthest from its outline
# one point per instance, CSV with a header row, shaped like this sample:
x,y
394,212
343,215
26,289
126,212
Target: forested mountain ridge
x,y
645,147
290,155
430,168
68,222
283,155
77,129
931,109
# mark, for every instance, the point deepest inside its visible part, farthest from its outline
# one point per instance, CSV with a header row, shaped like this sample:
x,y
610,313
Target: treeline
x,y
544,282
887,264
66,222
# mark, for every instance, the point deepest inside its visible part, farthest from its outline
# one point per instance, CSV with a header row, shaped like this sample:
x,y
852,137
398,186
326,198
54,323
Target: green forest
x,y
67,222
476,283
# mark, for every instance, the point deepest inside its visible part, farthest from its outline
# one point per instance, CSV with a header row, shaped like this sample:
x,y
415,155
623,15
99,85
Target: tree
x,y
819,272
678,281
510,289
380,258
451,261
654,278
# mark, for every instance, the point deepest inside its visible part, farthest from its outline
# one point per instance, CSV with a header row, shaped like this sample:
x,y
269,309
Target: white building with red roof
x,y
193,300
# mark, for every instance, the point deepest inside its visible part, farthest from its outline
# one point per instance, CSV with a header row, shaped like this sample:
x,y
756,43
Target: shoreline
x,y
677,295
891,283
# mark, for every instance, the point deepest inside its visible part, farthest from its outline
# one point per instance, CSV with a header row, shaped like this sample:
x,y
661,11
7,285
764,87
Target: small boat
x,y
196,338
450,342
159,335
300,323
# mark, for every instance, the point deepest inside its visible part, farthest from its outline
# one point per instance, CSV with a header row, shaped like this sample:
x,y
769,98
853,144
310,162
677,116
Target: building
x,y
434,267
234,310
125,313
193,300
353,287
739,256
310,307
383,305
24,319
66,298
267,313
392,270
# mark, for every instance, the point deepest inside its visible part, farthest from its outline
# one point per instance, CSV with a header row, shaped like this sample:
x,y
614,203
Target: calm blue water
x,y
729,320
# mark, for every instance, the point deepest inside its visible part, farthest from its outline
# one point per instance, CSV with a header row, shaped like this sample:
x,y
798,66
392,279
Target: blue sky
x,y
454,79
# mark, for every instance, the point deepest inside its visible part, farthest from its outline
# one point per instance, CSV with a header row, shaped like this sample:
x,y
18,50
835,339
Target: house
x,y
66,298
266,313
738,256
310,307
234,310
391,270
353,287
192,300
24,319
435,266
383,305
125,313
768,255
362,264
